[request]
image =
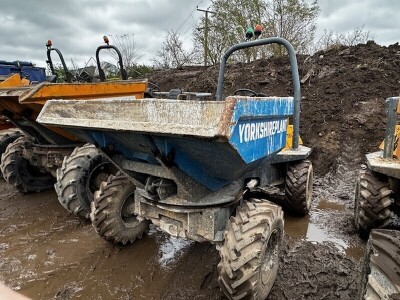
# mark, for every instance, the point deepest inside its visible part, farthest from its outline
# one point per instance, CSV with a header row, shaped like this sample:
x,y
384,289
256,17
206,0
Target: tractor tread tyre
x,y
18,172
106,212
73,177
372,202
380,277
246,249
298,187
6,138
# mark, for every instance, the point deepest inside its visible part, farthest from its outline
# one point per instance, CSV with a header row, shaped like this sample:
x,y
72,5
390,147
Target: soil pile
x,y
344,91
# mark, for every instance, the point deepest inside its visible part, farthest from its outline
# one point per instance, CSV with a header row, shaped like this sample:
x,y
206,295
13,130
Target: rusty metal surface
x,y
387,166
42,92
292,154
45,91
15,92
205,224
199,118
206,119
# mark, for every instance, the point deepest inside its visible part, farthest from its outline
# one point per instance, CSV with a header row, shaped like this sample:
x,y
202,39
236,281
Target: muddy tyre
x,y
80,176
372,202
112,211
6,138
380,277
18,172
250,251
298,187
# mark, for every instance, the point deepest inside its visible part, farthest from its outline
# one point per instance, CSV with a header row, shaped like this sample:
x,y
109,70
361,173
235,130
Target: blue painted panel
x,y
188,165
105,139
30,72
259,127
248,108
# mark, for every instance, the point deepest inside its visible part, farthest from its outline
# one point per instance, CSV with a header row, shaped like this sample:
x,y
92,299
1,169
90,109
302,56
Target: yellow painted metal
x,y
20,99
42,92
14,80
396,151
289,138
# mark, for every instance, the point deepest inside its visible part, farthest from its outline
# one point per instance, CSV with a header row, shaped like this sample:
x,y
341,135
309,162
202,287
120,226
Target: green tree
x,y
293,20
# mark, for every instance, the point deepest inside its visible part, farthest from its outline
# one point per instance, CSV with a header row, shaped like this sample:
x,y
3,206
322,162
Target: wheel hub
x,y
128,216
269,259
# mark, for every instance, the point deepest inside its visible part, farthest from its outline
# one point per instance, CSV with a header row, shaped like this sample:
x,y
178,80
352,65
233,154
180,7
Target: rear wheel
x,y
112,211
80,176
18,172
6,138
380,277
298,187
250,251
372,202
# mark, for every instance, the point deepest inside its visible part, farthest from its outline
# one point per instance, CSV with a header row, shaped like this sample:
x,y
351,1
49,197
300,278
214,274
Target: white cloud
x,y
77,26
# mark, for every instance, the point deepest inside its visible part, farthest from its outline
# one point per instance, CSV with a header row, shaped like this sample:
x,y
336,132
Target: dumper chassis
x,y
34,156
377,215
193,168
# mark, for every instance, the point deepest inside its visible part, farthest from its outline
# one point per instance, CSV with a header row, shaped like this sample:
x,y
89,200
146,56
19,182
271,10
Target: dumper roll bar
x,y
68,75
391,107
102,75
293,67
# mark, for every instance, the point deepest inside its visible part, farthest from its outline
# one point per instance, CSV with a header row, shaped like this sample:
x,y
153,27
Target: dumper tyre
x,y
250,251
299,187
380,275
18,171
112,211
372,205
80,176
6,138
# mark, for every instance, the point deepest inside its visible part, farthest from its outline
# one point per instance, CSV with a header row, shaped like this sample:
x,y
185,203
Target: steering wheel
x,y
154,87
249,91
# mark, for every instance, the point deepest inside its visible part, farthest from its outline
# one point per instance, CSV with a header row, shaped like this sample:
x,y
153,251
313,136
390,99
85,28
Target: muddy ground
x,y
47,254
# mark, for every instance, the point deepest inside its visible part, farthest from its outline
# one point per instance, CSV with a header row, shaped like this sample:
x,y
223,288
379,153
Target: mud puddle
x,y
309,229
331,215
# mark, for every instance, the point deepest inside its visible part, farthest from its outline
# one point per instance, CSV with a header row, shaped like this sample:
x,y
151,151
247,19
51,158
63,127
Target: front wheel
x,y
373,201
112,211
380,276
250,251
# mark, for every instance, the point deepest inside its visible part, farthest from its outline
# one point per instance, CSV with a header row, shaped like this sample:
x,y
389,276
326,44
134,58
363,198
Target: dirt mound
x,y
343,93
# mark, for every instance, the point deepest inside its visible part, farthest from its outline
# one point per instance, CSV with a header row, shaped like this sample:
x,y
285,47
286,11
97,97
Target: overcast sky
x,y
77,26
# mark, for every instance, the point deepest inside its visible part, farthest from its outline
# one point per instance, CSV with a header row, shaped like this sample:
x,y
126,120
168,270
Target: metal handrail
x,y
68,75
295,77
102,76
391,106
